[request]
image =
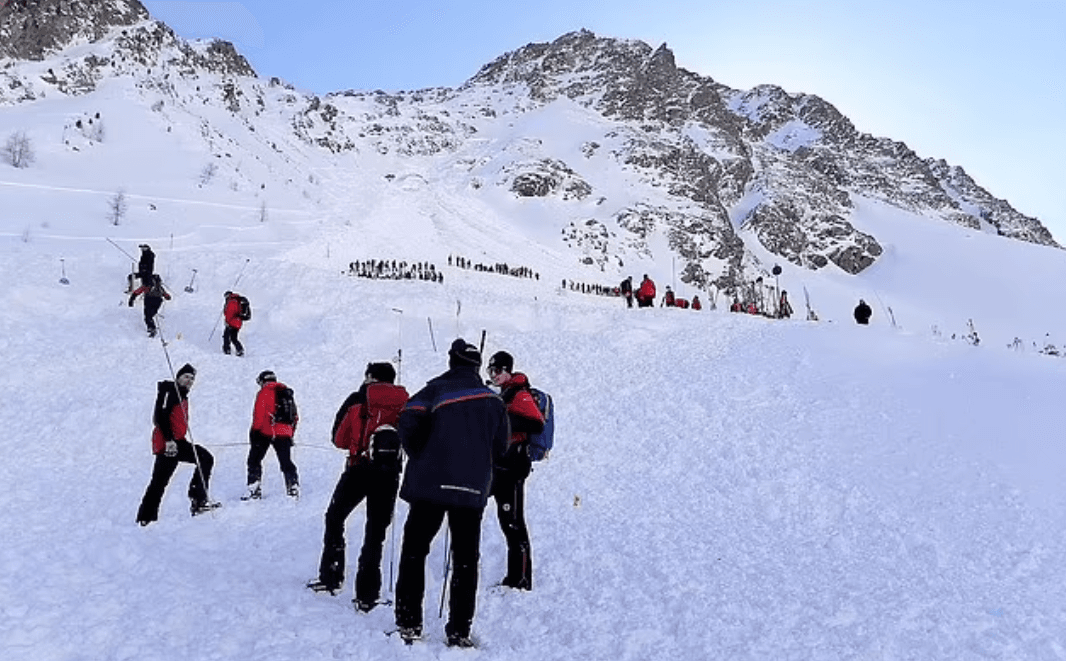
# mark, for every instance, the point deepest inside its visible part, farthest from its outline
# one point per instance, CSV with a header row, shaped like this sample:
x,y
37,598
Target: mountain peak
x,y
32,29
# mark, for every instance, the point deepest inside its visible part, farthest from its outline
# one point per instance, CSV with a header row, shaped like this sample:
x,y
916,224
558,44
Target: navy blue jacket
x,y
452,430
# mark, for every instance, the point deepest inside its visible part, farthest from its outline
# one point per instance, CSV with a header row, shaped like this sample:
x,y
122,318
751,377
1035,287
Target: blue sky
x,y
981,85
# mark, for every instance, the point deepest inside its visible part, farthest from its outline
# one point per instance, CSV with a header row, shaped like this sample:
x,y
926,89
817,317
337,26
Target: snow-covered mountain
x,y
630,160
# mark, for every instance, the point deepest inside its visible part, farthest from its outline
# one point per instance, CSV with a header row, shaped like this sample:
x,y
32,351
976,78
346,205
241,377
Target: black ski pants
x,y
378,486
509,490
163,470
423,522
151,308
229,336
258,444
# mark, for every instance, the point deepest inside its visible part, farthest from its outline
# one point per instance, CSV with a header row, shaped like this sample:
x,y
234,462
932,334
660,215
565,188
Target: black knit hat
x,y
463,353
265,376
502,360
381,372
186,369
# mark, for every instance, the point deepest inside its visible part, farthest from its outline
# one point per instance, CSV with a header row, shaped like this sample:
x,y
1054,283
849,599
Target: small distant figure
x,y
627,291
646,293
668,298
274,420
236,312
784,308
863,313
154,293
696,305
146,265
736,306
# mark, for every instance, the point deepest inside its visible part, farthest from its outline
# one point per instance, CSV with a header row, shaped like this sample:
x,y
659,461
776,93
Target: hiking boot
x,y
410,634
293,490
364,606
255,492
200,506
318,585
459,640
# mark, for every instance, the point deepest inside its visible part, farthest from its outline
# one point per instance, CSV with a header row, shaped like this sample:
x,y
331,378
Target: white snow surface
x,y
724,486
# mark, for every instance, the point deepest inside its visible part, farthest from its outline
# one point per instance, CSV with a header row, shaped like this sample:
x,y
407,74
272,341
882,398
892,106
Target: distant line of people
x,y
393,270
499,268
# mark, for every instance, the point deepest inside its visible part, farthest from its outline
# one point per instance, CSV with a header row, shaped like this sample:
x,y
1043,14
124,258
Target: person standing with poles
x,y
154,293
273,425
510,472
235,314
171,446
365,427
453,431
146,265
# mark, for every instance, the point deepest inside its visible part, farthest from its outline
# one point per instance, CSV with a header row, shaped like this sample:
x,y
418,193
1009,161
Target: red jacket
x,y
263,413
373,406
233,311
522,410
647,289
696,303
171,415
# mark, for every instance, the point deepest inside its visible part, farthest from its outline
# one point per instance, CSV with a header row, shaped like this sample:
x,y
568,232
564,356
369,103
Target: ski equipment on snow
x,y
188,287
540,444
63,280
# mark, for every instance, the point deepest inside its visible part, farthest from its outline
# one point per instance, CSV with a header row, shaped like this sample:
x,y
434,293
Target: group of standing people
x,y
463,442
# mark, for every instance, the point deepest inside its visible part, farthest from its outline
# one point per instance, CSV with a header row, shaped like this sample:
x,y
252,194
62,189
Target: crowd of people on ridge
x,y
393,270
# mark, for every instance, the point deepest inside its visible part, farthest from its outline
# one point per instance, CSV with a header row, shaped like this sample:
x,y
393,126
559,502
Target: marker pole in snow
x,y
188,287
221,314
63,265
432,337
399,345
188,427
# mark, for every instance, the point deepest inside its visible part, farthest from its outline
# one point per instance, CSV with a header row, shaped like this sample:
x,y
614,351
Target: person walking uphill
x,y
171,418
510,473
146,265
236,312
153,300
863,313
453,431
274,420
365,427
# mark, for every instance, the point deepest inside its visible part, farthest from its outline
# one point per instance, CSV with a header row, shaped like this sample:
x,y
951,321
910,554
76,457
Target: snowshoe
x,y
317,585
200,507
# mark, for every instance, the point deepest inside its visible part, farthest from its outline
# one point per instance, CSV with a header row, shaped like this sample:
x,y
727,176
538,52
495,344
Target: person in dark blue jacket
x,y
453,431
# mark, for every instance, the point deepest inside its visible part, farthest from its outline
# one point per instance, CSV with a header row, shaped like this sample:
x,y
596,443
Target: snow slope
x,y
725,486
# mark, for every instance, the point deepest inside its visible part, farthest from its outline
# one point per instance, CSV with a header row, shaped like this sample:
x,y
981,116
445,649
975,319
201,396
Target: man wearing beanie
x,y
365,427
509,476
269,432
453,431
171,418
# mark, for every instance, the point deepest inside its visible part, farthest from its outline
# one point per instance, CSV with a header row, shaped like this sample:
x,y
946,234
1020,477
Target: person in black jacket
x,y
146,265
863,313
453,431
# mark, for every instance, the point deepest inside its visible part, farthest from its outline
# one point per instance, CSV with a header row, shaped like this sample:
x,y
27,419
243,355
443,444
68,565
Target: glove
x,y
131,301
172,449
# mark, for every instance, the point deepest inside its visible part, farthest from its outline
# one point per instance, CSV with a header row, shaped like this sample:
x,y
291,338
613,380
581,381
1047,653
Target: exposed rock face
x,y
659,155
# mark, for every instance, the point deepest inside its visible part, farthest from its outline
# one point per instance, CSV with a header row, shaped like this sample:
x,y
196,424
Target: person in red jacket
x,y
234,321
510,472
169,445
668,298
267,432
646,293
365,427
696,305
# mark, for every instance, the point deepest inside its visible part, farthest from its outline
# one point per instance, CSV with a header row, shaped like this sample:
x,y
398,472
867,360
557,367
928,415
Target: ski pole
x,y
121,250
447,567
188,425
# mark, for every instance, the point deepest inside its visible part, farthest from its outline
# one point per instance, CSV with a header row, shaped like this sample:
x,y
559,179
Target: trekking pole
x,y
447,567
188,426
221,314
432,338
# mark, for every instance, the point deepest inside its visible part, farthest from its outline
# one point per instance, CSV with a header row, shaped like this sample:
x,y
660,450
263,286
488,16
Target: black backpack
x,y
284,406
384,448
246,308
